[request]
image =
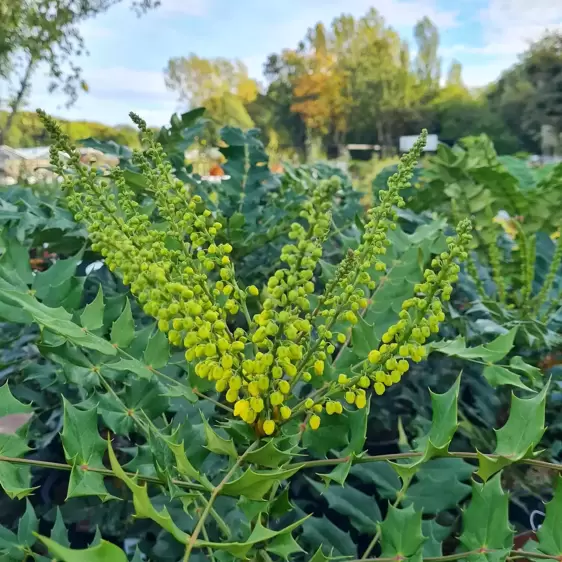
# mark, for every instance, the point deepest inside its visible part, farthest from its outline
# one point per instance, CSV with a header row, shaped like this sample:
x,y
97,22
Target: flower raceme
x,y
185,279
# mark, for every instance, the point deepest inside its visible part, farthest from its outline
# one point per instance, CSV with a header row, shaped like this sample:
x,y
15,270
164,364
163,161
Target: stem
x,y
214,495
413,454
102,471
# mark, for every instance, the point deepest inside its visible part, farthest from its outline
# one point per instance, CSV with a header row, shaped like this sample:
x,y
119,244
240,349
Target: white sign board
x,y
406,143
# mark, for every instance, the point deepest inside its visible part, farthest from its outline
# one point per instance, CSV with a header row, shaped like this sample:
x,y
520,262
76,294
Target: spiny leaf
x,y
284,546
497,376
157,351
258,535
104,552
443,427
401,534
142,503
183,465
28,526
491,352
549,533
216,443
338,474
320,531
254,485
59,533
123,329
486,522
92,317
362,510
83,449
519,436
269,455
14,479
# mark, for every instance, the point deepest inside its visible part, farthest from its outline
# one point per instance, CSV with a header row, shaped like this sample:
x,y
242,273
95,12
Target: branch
x,y
413,454
214,495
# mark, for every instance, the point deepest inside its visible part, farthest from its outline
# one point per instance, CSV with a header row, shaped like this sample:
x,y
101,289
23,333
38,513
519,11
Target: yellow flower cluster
x,y
185,279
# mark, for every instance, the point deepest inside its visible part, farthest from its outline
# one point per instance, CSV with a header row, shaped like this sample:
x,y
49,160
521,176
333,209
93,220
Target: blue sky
x,y
128,54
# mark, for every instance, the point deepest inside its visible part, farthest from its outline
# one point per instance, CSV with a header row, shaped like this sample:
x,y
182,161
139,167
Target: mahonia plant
x,y
186,280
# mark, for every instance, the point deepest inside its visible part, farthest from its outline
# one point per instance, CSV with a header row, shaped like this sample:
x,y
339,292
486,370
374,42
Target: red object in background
x,y
521,540
216,170
41,263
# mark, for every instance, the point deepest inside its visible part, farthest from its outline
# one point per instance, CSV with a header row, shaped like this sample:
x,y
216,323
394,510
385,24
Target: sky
x,y
127,55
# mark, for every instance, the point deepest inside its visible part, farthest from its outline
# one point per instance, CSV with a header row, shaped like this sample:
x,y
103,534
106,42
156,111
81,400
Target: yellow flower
x,y
314,422
268,427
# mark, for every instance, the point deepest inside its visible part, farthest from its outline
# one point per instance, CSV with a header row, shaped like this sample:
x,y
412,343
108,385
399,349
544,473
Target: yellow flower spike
x,y
306,377
276,398
263,383
241,408
237,346
232,395
257,404
350,397
374,356
250,416
361,401
268,427
221,385
364,382
318,408
338,408
387,337
395,376
379,388
314,422
331,408
285,412
235,382
253,291
163,325
341,338
403,366
277,372
342,379
319,367
309,403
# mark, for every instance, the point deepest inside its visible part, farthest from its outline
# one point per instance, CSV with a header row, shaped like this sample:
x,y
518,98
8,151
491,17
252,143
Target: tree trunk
x,y
24,84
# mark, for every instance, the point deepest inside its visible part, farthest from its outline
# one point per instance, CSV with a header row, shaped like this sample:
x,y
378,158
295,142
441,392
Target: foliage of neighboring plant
x,y
226,405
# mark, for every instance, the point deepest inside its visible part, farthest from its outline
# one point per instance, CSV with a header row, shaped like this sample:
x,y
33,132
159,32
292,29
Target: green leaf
x,y
549,535
427,494
141,501
443,426
157,351
519,436
362,510
92,317
28,526
319,556
104,552
338,474
216,443
281,504
258,535
59,533
14,479
518,364
491,352
320,531
132,365
284,546
401,534
83,449
60,273
183,465
254,485
269,455
498,376
486,522
381,474
123,329
363,337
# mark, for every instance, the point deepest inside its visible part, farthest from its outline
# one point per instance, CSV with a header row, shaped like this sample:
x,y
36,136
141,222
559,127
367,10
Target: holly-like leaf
x,y
338,474
92,317
83,449
104,552
401,534
216,443
486,522
491,352
549,533
284,546
518,364
60,273
381,475
123,329
157,351
59,533
270,455
321,532
362,510
14,479
497,376
254,485
28,526
443,426
519,436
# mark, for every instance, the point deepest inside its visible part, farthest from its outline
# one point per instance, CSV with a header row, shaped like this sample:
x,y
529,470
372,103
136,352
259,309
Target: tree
x,y
454,76
428,63
35,32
